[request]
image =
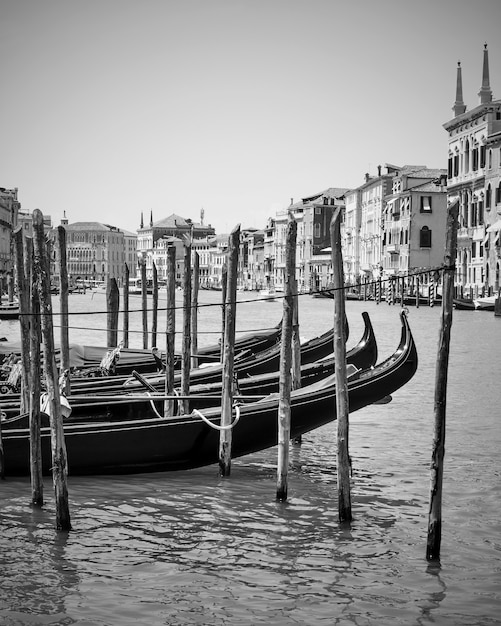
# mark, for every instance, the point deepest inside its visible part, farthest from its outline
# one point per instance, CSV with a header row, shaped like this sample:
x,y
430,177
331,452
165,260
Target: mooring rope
x,y
215,426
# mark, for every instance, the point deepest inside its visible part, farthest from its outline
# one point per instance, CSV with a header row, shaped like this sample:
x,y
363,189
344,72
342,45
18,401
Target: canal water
x,y
192,548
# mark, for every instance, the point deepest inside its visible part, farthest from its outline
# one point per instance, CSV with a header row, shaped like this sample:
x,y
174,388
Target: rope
x,y
215,426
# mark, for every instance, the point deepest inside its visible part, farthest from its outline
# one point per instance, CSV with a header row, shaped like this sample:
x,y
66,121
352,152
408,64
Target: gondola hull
x,y
159,444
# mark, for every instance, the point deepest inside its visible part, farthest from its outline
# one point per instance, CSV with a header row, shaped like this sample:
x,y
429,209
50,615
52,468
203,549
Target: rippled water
x,y
192,548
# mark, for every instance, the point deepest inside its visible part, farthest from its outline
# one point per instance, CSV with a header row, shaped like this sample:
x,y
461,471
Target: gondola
x,y
85,360
9,311
245,365
361,356
463,304
190,441
109,402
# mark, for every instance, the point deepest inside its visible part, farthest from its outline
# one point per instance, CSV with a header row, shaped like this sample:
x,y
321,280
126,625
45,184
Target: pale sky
x,y
113,107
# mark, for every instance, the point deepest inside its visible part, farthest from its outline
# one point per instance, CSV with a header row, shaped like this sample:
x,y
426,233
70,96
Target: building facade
x,y
474,180
9,211
172,226
95,252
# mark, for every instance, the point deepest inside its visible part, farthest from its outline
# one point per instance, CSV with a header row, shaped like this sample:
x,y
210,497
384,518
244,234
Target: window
x,y
498,194
488,197
425,237
474,154
425,204
482,156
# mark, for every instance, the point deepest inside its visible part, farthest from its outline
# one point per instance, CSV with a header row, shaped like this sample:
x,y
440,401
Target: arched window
x,y
488,197
498,194
425,237
467,157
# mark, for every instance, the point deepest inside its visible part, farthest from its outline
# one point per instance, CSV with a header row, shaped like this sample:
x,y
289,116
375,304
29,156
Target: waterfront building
x,y
394,224
95,252
474,179
362,230
313,215
414,223
250,262
172,226
9,212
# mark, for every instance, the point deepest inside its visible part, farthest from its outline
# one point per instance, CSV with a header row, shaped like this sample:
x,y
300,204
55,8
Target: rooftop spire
x,y
151,217
459,106
485,93
142,223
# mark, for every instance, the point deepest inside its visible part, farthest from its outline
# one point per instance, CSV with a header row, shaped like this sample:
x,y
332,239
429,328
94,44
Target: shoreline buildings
x,y
393,224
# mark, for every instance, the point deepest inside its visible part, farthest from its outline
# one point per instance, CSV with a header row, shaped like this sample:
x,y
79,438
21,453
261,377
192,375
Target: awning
x,y
494,228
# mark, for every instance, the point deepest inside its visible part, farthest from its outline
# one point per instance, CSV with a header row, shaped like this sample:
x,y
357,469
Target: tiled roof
x,y
90,226
173,221
428,186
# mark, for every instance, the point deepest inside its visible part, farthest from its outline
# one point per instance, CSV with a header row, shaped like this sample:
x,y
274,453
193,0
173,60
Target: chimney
x,y
64,221
379,170
367,177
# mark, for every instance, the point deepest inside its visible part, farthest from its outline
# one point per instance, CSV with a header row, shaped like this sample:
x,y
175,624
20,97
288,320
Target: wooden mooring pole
x,y
437,459
224,286
154,313
113,305
59,460
194,309
342,407
186,349
144,301
285,382
24,320
63,306
170,330
225,436
125,293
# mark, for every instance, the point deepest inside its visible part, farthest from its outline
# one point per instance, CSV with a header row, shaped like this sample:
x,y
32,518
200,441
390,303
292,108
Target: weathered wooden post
x,y
437,458
35,339
342,407
144,301
154,319
497,305
24,319
113,305
186,349
194,309
126,308
63,305
10,287
296,344
59,460
2,456
225,436
170,330
285,382
224,285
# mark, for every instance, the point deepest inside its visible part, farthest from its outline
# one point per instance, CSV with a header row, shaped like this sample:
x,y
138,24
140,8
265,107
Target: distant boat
x,y
268,294
464,304
485,304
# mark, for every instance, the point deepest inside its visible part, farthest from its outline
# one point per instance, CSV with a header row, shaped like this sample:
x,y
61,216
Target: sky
x,y
113,108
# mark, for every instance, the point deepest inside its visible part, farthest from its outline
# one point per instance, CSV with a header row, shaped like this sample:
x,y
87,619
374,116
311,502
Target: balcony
x,y
465,236
393,248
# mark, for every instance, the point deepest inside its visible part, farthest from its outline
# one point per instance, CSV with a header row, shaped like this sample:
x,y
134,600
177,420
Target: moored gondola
x,y
158,444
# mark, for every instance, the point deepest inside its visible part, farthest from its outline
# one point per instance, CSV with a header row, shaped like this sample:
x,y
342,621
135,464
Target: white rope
x,y
153,406
215,426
